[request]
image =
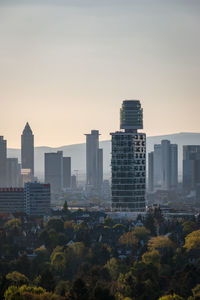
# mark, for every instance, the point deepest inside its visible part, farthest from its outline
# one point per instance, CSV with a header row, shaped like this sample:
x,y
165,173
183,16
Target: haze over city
x,y
65,67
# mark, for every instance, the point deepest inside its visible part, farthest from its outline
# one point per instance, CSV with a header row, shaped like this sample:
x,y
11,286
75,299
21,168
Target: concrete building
x,y
129,160
37,198
54,171
12,200
94,160
191,167
13,173
73,182
150,172
3,162
165,166
67,172
27,149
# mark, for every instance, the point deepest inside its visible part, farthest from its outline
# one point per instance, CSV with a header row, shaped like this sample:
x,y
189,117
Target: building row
x,y
163,167
33,199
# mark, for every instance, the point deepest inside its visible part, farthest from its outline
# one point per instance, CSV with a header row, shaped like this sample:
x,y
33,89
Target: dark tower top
x,y
27,130
131,115
27,149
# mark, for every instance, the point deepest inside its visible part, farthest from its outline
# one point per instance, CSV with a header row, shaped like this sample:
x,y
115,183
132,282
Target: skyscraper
x,y
54,171
165,166
3,162
191,167
150,172
67,172
94,160
129,160
13,173
27,149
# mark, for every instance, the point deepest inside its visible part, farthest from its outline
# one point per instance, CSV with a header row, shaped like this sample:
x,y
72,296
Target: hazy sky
x,y
66,66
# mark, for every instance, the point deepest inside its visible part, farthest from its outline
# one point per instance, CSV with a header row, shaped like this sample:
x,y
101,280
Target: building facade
x,y
13,173
37,198
67,172
165,166
128,162
3,162
191,167
54,171
12,200
94,160
27,149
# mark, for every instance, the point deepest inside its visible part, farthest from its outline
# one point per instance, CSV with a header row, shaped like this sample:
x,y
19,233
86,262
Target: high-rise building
x,y
37,198
27,149
13,173
191,167
94,160
3,162
129,160
150,172
54,171
165,166
67,172
12,200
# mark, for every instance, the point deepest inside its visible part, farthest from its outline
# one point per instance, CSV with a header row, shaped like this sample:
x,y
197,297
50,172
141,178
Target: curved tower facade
x,y
129,160
27,149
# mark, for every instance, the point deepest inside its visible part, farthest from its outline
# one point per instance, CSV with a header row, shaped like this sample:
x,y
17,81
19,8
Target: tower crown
x,y
27,130
131,115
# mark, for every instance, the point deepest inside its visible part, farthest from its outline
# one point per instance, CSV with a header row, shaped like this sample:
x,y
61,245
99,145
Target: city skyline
x,y
71,64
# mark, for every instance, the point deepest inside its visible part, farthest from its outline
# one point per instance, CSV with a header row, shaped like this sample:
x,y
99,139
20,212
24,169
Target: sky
x,y
67,65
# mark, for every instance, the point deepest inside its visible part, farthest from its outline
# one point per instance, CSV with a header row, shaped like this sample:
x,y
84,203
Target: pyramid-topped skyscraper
x,y
27,149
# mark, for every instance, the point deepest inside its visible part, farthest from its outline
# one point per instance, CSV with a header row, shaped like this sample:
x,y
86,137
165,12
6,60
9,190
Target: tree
x,y
152,257
141,232
192,240
15,293
128,239
78,291
46,280
62,288
188,227
58,259
160,242
114,267
171,297
17,279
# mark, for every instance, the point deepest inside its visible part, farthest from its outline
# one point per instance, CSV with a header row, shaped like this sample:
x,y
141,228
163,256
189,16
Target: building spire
x,y
27,129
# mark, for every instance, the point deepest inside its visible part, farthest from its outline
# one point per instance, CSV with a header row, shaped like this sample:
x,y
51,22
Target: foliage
x,y
160,242
16,278
192,240
171,297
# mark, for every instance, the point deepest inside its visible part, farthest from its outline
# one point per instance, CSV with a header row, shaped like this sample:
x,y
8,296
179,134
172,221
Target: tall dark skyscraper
x,y
27,149
67,172
191,167
94,160
3,162
54,171
129,160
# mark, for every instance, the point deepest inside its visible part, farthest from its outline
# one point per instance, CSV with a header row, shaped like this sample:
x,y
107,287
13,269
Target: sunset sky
x,y
66,66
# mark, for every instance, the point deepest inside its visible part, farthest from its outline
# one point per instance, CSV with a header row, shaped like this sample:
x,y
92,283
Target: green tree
x,y
115,267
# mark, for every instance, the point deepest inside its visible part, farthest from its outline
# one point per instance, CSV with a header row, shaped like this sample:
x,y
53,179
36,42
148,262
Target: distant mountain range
x,y
78,151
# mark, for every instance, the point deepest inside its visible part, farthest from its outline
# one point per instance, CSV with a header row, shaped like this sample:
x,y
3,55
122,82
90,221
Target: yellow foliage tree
x,y
160,242
192,240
